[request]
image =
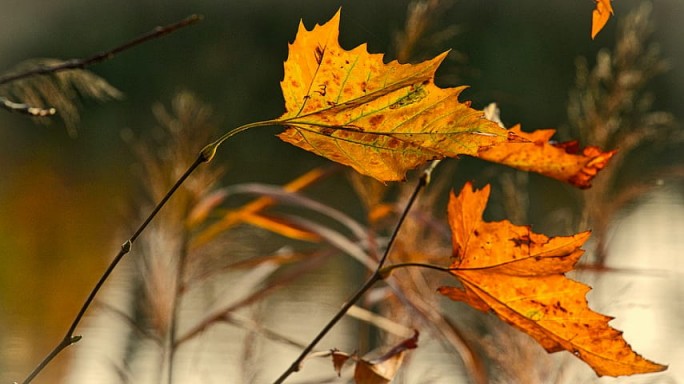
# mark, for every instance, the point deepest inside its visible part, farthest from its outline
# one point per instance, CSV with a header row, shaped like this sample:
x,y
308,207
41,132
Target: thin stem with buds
x,y
205,156
69,337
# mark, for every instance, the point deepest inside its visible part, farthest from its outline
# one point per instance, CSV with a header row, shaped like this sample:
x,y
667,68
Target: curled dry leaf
x,y
380,119
561,161
339,358
383,369
520,276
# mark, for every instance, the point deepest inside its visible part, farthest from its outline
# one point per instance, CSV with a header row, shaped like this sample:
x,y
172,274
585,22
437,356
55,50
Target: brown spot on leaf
x,y
318,54
376,120
393,143
522,240
327,131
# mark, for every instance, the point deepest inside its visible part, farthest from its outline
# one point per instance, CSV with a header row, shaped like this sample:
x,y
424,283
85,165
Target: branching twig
x,y
102,56
374,278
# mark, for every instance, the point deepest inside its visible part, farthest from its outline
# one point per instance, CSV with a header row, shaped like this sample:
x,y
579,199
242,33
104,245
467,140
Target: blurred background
x,y
71,192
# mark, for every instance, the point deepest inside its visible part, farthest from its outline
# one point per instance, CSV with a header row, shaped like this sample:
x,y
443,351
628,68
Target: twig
x,y
251,325
374,278
380,322
175,314
102,56
25,108
131,323
225,313
69,338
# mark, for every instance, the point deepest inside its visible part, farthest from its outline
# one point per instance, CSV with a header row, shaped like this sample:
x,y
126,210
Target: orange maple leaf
x,y
381,119
600,16
519,275
561,161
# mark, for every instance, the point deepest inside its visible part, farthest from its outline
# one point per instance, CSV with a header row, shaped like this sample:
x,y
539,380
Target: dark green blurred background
x,y
63,199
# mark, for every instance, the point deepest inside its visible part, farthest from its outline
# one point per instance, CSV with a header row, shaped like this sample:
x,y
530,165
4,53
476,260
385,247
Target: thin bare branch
x,y
102,56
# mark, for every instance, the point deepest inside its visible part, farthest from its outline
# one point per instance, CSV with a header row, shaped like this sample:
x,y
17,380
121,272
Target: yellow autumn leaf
x,y
380,119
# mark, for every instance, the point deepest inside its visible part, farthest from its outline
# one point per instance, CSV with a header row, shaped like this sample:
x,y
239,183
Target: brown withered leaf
x,y
339,358
383,369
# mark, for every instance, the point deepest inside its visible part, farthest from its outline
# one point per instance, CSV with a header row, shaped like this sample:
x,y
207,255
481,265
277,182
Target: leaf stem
x,y
210,150
388,269
375,277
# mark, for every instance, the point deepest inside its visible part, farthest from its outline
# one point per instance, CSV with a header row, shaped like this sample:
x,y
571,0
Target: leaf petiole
x,y
387,271
209,151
